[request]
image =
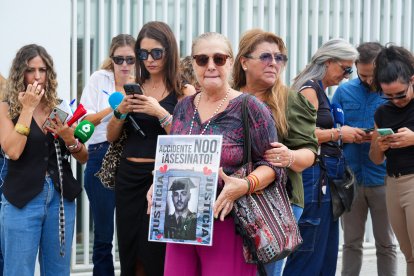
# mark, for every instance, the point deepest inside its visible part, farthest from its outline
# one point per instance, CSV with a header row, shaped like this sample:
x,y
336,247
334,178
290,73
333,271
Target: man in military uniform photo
x,y
182,223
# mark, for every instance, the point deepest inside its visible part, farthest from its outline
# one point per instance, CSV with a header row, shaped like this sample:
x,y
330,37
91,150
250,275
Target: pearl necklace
x,y
214,114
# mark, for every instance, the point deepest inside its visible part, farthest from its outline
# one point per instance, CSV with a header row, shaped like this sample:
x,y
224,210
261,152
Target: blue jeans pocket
x,y
308,229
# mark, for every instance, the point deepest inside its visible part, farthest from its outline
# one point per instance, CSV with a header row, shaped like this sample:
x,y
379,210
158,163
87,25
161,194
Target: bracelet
x,y
80,148
167,121
163,119
22,129
339,134
119,115
74,146
248,184
291,159
254,181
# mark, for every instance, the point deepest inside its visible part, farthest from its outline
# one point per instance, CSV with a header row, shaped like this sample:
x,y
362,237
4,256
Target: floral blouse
x,y
229,123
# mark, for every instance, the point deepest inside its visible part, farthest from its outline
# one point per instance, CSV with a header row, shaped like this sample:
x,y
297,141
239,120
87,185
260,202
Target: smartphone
x,y
385,131
56,112
133,88
368,130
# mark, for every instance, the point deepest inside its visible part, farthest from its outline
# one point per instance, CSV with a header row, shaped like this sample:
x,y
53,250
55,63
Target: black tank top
x,y
324,119
26,175
139,147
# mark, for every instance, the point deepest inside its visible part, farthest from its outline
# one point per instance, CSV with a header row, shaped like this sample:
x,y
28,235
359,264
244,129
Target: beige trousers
x,y
400,206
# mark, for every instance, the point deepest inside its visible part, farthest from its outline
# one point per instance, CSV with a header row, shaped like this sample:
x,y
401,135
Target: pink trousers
x,y
225,257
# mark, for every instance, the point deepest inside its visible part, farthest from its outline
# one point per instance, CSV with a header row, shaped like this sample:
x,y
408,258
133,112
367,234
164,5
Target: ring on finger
x,y
277,157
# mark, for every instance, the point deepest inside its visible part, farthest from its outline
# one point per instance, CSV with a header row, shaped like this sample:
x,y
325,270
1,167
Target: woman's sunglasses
x,y
119,60
218,59
156,54
347,70
267,58
398,96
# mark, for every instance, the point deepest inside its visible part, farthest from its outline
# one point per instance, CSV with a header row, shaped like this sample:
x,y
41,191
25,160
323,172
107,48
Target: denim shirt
x,y
359,105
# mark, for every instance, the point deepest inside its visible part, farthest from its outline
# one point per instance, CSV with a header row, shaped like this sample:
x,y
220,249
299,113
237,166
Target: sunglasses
x,y
156,53
218,59
267,58
347,69
399,95
119,60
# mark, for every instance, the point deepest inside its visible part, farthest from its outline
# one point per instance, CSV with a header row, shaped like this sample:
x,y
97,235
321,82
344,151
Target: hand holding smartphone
x,y
133,88
385,131
368,130
56,112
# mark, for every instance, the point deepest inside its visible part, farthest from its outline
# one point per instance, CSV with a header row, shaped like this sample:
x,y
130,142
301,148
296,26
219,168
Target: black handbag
x,y
343,193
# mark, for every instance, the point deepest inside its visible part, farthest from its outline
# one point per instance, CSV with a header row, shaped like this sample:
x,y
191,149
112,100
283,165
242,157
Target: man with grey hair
x,y
359,99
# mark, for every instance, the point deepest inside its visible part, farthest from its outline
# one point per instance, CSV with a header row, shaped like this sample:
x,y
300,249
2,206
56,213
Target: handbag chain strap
x,y
61,205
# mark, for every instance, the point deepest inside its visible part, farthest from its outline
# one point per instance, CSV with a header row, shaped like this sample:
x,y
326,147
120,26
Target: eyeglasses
x,y
218,59
399,95
347,70
119,60
267,58
156,53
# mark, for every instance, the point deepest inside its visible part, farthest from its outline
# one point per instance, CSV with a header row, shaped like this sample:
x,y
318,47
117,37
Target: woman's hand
x,y
383,143
279,155
147,105
62,130
352,134
233,189
149,198
31,98
403,138
125,106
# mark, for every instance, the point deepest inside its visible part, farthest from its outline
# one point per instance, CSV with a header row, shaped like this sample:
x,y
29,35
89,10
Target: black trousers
x,y
131,186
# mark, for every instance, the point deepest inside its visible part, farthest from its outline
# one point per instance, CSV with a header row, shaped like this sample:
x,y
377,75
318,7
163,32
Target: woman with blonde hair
x,y
257,70
116,70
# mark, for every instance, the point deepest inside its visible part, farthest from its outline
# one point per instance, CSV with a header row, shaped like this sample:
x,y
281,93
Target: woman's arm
x,y
234,188
13,138
66,133
96,118
150,106
296,160
115,125
379,144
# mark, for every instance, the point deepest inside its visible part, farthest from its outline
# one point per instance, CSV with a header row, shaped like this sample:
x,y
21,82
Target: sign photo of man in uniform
x,y
182,223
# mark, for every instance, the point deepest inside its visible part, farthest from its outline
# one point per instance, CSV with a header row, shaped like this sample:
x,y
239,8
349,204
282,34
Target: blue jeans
x,y
319,251
33,228
276,268
102,202
3,172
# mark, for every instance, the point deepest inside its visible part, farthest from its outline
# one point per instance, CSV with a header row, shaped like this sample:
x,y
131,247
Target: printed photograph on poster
x,y
185,183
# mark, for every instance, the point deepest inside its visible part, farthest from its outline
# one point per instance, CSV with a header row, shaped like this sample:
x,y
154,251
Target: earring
x,y
245,68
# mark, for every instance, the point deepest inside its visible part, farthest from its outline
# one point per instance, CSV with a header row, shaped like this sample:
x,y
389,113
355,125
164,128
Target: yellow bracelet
x,y
22,129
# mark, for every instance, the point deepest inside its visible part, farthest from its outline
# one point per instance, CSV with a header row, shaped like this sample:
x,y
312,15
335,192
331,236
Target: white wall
x,y
43,22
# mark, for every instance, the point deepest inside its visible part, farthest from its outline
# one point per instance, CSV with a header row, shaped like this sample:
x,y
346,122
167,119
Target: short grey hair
x,y
334,49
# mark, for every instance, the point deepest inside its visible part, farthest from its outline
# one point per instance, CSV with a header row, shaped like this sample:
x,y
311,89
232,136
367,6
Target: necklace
x,y
214,114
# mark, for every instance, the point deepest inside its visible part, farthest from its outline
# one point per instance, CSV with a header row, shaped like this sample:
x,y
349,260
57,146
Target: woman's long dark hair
x,y
162,33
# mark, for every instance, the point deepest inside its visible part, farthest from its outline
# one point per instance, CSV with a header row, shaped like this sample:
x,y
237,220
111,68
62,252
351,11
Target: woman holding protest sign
x,y
216,109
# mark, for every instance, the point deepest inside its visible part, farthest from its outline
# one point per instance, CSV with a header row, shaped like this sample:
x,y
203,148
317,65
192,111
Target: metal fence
x,y
303,24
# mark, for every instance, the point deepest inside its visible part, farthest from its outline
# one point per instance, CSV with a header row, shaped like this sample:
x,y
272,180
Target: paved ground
x,y
369,265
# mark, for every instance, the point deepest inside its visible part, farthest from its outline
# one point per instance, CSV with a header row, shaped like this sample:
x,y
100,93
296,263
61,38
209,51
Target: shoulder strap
x,y
247,147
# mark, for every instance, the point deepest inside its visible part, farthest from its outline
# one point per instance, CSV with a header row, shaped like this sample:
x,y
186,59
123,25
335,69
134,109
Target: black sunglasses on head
x,y
156,53
218,59
119,60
